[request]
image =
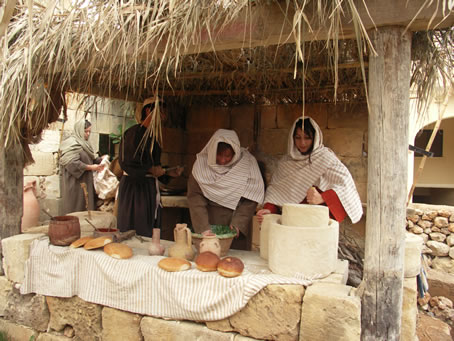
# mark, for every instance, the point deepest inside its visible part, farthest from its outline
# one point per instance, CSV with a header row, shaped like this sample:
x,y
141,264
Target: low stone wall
x,y
324,310
435,225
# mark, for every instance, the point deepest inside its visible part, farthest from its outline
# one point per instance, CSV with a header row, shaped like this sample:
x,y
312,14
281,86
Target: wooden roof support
x,y
389,82
271,24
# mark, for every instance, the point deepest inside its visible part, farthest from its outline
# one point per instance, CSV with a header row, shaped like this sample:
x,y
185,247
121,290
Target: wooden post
x,y
389,82
11,190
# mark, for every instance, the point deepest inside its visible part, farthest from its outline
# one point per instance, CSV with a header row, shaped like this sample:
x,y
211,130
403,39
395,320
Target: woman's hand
x,y
95,168
236,229
261,213
313,197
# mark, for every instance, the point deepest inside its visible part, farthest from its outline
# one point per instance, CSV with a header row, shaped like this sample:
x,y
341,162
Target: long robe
x,y
75,173
138,197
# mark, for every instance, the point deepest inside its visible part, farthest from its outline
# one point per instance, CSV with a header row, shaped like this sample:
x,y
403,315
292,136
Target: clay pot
x,y
63,230
183,243
30,215
155,248
210,243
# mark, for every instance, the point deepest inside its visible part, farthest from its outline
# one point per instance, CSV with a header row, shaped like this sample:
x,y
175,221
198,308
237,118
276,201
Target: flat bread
x,y
80,242
173,264
118,251
96,243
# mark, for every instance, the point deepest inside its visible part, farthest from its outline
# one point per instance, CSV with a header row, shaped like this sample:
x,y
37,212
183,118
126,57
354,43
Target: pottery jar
x,y
183,243
63,230
30,215
210,243
155,248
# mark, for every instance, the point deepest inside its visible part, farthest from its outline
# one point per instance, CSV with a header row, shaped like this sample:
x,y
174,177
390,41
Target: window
x,y
106,146
422,138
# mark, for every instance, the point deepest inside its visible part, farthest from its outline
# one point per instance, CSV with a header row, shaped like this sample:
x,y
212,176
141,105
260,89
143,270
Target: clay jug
x,y
183,243
155,248
30,215
210,243
63,230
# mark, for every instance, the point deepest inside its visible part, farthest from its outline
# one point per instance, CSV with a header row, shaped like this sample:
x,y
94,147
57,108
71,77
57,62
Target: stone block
x,y
52,187
247,139
268,117
173,140
242,117
6,287
273,141
74,100
16,250
202,118
155,329
44,164
440,283
50,141
345,141
84,317
28,310
120,325
53,206
348,115
196,141
15,332
340,274
329,312
409,310
53,337
265,317
357,167
413,249
286,114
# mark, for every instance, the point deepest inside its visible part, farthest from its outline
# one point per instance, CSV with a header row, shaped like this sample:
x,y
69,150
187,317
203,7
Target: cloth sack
x,y
105,181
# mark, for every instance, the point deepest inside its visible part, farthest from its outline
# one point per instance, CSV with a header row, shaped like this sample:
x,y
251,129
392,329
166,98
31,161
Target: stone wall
x,y
435,225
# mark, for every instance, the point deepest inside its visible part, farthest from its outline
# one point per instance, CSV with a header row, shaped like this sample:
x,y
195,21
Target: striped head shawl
x,y
72,146
296,173
226,184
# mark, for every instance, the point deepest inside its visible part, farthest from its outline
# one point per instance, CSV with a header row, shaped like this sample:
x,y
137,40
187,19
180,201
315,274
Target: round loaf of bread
x,y
80,242
96,243
173,264
230,267
118,250
207,261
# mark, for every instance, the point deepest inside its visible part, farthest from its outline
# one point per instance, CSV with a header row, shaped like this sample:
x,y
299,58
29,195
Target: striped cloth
x,y
296,173
138,285
227,184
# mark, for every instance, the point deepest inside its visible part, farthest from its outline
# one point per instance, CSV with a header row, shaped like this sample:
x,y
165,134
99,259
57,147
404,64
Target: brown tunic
x,y
205,212
75,173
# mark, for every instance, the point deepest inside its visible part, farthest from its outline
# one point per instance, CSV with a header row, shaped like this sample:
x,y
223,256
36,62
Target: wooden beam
x,y
11,190
271,24
389,88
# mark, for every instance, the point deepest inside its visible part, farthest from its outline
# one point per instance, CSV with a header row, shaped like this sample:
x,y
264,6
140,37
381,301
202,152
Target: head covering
x,y
296,173
71,147
226,184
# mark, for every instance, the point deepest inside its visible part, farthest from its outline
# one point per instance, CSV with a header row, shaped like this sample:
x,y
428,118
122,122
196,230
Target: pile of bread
x,y
205,261
115,250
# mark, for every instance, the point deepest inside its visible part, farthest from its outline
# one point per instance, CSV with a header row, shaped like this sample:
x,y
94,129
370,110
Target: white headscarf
x,y
226,184
296,173
73,145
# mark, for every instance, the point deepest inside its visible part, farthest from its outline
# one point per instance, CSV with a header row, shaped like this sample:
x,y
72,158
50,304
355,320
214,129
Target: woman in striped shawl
x,y
225,185
311,173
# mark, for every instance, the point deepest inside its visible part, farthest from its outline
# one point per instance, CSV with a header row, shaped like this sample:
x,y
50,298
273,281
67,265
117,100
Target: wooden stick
x,y
84,188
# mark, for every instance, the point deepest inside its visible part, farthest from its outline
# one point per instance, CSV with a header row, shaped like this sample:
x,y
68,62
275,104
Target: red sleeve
x,y
334,205
273,208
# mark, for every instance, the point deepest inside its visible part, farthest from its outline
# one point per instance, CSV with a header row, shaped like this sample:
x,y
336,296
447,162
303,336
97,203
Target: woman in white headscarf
x,y
78,160
311,173
225,185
